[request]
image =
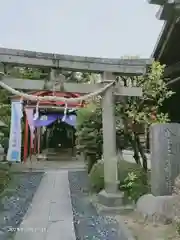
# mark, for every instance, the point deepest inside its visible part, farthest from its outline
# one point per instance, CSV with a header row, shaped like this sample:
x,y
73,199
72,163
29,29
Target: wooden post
x,y
26,132
35,141
38,139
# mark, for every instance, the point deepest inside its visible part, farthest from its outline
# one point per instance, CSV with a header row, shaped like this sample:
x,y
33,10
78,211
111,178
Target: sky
x,y
96,28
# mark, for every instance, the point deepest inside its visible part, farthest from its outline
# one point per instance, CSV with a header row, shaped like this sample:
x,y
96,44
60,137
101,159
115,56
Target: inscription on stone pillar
x,y
165,157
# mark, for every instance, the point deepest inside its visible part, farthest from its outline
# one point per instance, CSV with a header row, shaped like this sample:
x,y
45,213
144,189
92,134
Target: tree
x,y
28,73
18,72
89,133
134,111
145,110
5,110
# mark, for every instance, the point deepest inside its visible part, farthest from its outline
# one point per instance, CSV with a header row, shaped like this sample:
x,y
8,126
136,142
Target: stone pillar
x,y
110,196
49,83
52,78
165,157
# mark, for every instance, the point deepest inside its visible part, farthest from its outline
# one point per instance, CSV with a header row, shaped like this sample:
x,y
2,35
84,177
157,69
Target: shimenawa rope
x,y
54,98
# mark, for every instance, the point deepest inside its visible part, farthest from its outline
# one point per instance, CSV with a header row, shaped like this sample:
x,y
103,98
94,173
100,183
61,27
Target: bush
x,y
5,175
91,160
96,176
97,173
4,179
135,185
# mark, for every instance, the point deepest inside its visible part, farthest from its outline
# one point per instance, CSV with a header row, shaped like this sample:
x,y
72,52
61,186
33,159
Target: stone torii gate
x,y
108,68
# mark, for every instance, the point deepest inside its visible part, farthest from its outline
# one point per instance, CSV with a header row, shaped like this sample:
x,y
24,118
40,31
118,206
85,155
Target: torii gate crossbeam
x,y
78,63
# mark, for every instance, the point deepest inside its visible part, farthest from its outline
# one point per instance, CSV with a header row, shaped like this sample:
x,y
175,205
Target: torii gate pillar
x,y
110,196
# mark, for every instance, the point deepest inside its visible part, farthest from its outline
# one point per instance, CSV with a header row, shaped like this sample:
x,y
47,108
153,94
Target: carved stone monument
x,y
165,157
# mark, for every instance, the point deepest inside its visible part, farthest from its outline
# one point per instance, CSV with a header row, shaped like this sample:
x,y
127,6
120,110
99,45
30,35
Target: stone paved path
x,y
50,215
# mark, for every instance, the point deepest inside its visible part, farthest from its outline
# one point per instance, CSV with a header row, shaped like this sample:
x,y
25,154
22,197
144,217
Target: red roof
x,y
57,94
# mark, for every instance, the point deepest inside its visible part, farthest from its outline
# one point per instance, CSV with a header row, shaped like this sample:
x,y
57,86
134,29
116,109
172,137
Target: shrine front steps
x,y
60,158
60,155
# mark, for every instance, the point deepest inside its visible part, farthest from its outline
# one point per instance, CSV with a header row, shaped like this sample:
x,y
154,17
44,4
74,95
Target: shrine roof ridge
x,y
53,60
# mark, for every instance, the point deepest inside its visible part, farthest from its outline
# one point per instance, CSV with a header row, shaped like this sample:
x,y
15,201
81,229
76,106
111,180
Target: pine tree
x,y
89,133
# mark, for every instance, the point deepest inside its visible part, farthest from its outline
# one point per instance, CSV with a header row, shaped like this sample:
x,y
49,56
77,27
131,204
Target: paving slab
x,y
50,214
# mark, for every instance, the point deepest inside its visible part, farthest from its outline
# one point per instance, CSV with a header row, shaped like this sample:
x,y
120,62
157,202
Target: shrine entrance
x,y
59,138
49,127
107,87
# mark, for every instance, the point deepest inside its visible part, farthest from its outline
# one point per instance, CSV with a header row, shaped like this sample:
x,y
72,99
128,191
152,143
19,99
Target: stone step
x,y
67,158
50,152
59,154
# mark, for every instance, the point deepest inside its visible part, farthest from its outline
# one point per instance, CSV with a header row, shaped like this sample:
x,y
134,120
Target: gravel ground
x,y
88,224
15,201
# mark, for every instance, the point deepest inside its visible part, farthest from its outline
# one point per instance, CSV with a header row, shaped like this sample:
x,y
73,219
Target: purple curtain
x,y
45,120
71,120
48,119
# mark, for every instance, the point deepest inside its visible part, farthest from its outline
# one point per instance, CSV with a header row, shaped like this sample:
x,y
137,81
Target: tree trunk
x,y
91,160
132,142
141,151
136,152
135,148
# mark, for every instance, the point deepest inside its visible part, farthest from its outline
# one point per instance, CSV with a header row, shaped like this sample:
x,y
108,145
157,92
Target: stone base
x,y
41,157
111,199
103,210
156,208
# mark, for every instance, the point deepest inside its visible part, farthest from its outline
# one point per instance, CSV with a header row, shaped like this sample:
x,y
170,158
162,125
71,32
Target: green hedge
x,y
4,179
97,173
5,175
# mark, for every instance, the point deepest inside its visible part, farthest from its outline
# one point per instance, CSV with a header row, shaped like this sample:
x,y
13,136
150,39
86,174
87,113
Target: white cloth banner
x,y
14,151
